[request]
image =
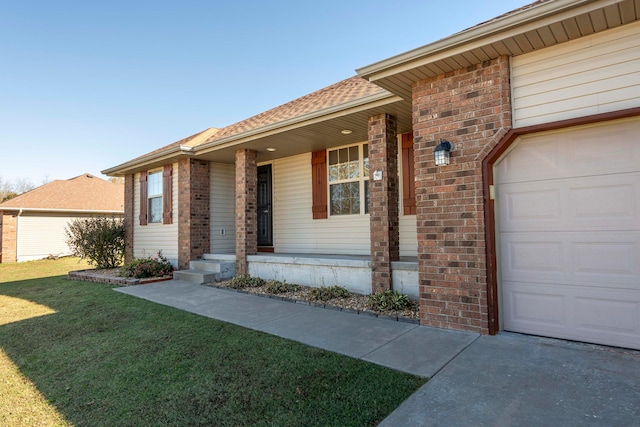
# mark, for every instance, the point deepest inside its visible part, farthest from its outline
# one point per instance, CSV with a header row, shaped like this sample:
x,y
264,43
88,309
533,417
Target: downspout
x,y
17,231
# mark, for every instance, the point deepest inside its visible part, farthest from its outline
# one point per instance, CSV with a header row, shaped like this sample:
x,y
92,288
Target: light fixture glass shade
x,y
441,155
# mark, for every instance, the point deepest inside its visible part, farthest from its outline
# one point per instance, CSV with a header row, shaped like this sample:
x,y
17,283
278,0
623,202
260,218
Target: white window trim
x,y
361,180
154,196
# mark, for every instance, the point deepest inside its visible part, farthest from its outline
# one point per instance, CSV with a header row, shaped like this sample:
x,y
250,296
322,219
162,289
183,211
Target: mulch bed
x,y
356,303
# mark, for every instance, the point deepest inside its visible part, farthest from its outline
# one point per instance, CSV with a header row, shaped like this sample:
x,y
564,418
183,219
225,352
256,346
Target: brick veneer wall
x,y
194,231
383,199
246,208
471,108
8,236
129,183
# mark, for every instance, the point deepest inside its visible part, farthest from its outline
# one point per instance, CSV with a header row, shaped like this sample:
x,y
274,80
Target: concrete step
x,y
206,271
197,276
220,257
226,268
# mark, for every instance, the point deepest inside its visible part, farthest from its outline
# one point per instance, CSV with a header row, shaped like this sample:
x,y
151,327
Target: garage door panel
x,y
591,150
569,312
610,202
538,258
607,260
526,163
598,315
569,234
536,306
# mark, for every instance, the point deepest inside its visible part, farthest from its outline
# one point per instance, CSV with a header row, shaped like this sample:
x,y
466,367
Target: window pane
x,y
155,209
345,198
154,183
344,164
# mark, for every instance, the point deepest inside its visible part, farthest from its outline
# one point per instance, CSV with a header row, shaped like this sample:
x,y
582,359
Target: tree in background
x,y
11,189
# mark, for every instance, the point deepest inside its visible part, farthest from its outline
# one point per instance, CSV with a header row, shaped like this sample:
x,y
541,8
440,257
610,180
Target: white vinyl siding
x,y
595,74
149,239
408,236
295,230
43,234
222,208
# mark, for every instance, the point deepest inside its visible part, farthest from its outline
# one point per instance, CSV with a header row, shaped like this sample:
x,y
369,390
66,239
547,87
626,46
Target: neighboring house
x,y
32,225
533,227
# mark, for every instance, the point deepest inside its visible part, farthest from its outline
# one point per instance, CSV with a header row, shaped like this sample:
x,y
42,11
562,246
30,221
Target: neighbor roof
x,y
82,193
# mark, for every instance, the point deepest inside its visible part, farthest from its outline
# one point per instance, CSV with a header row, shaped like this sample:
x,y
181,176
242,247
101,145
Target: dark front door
x,y
265,218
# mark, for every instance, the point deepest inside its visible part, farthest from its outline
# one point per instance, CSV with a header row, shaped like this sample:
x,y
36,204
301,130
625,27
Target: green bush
x,y
389,300
246,281
100,240
278,287
141,268
325,293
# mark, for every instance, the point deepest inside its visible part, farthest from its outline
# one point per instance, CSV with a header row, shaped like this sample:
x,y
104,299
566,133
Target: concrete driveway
x,y
518,380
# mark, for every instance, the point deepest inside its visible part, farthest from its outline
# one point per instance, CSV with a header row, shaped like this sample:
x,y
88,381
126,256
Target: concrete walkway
x,y
502,380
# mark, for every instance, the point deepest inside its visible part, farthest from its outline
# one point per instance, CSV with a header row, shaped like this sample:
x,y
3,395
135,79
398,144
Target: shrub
x,y
100,240
278,287
389,300
246,281
325,293
141,268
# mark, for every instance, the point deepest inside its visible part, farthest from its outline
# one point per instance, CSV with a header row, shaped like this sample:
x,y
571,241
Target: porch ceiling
x,y
522,31
314,134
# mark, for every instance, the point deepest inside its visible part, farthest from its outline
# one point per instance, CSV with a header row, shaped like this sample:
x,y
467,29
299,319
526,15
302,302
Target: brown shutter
x,y
167,191
143,198
319,184
408,175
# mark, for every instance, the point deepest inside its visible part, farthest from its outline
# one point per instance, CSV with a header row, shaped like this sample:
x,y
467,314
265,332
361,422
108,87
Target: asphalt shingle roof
x,y
82,193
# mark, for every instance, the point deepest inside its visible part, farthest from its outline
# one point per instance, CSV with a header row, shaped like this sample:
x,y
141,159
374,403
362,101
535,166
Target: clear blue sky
x,y
87,85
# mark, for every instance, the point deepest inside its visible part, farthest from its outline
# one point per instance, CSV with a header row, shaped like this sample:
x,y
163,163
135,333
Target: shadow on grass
x,y
104,358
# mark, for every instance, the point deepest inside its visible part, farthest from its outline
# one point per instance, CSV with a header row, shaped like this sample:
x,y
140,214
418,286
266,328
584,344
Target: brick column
x,y
470,108
8,236
246,208
194,231
383,199
129,218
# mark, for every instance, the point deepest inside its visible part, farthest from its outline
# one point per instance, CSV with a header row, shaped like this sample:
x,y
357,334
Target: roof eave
x,y
153,159
423,55
91,211
369,101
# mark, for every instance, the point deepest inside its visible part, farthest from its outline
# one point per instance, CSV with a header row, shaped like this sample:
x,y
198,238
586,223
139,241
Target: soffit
x,y
539,25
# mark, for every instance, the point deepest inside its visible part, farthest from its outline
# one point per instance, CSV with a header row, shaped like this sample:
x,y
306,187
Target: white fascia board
x,y
483,34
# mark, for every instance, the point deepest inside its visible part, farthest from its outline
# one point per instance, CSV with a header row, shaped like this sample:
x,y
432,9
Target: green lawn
x,y
76,353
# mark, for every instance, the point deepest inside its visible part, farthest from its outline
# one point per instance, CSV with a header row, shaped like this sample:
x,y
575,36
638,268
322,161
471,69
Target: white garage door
x,y
568,208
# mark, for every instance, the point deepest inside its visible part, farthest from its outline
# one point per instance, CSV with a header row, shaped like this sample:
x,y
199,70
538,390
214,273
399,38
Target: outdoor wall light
x,y
441,154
